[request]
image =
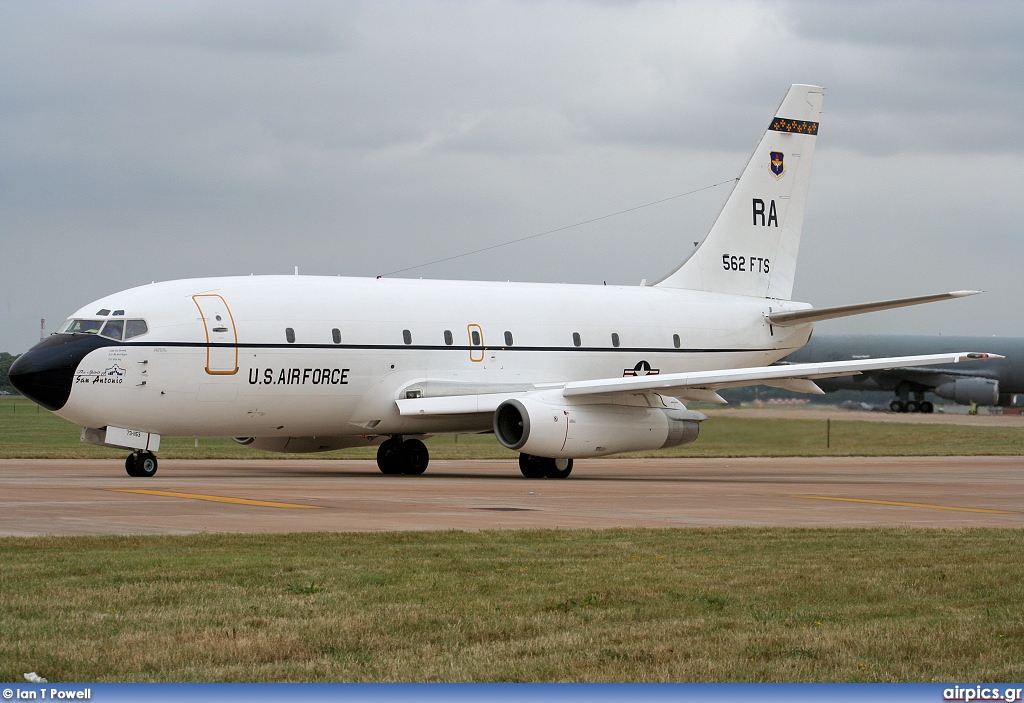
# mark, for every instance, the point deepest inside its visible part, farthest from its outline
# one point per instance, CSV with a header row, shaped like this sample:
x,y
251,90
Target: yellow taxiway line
x,y
216,499
911,505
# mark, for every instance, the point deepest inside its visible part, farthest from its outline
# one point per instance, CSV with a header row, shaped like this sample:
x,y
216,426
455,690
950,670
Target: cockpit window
x,y
135,328
113,329
104,312
83,327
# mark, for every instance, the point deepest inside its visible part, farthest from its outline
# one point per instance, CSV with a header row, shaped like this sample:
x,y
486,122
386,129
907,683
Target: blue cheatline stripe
x,y
534,693
440,347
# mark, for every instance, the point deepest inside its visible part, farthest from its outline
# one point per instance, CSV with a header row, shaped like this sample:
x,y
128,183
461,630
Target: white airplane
x,y
556,371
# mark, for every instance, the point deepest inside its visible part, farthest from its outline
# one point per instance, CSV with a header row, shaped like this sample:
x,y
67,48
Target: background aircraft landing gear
x,y
409,457
903,404
140,464
541,467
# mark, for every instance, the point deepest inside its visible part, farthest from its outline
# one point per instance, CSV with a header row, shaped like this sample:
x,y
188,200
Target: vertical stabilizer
x,y
752,246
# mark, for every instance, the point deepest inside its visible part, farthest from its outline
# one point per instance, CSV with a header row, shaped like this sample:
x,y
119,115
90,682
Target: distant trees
x,y
5,363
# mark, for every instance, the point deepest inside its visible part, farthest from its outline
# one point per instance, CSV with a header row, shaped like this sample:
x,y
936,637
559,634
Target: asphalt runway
x,y
86,497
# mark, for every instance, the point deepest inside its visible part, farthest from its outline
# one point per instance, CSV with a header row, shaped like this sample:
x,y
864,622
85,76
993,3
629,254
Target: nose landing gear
x,y
140,464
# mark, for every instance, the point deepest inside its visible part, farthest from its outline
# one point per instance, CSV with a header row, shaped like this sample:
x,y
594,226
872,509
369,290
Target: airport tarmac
x,y
87,497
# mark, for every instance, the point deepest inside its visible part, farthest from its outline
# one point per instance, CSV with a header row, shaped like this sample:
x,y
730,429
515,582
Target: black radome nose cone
x,y
46,372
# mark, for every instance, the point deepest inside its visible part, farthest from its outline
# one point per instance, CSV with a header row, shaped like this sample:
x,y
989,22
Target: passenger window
x,y
615,339
508,338
336,335
135,328
576,339
289,334
113,329
407,336
448,339
675,341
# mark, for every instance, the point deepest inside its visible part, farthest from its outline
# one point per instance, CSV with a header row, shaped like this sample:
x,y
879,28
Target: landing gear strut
x,y
409,457
140,464
541,467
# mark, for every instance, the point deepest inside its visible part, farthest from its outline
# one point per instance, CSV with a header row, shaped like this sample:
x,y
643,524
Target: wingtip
x,y
964,293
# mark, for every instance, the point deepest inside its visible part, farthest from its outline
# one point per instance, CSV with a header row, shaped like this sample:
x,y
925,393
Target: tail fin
x,y
752,246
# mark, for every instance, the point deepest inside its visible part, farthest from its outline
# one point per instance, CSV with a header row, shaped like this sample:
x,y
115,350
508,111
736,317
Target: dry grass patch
x,y
615,605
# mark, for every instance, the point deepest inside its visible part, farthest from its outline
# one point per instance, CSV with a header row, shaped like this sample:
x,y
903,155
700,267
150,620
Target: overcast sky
x,y
153,141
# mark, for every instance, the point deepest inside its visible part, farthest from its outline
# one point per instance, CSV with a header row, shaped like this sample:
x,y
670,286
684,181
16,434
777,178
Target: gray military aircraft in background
x,y
987,382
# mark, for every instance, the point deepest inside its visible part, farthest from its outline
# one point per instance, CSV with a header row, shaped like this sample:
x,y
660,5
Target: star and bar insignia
x,y
642,368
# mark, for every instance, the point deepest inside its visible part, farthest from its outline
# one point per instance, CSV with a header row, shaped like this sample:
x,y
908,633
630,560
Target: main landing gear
x,y
911,406
140,464
542,467
395,456
903,404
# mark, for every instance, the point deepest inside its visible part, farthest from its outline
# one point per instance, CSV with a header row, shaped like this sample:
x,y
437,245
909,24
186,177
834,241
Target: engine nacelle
x,y
574,431
305,445
983,391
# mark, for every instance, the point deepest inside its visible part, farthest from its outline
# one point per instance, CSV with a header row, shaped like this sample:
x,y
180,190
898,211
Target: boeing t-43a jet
x,y
556,371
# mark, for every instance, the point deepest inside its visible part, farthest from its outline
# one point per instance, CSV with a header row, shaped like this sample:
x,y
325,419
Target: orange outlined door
x,y
221,336
476,342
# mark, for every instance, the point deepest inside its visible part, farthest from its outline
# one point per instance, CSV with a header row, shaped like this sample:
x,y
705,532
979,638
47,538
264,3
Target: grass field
x,y
27,431
611,605
614,605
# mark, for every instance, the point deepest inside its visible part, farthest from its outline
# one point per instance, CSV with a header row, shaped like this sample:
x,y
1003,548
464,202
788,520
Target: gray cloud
x,y
185,139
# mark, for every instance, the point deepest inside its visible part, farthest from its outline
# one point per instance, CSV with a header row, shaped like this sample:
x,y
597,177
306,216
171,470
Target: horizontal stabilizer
x,y
802,317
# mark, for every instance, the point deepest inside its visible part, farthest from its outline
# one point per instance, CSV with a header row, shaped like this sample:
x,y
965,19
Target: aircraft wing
x,y
789,376
692,385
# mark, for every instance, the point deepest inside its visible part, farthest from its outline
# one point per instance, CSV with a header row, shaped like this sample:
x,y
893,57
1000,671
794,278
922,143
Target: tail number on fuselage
x,y
753,264
299,377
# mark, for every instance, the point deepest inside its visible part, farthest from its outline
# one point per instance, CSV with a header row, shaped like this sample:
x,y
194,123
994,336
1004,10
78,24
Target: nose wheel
x,y
140,464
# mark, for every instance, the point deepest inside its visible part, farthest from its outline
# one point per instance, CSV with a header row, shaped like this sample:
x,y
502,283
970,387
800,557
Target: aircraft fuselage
x,y
280,356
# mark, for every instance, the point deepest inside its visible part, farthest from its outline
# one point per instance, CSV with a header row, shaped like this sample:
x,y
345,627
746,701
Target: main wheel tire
x,y
926,407
129,465
559,468
897,406
532,466
389,456
414,457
